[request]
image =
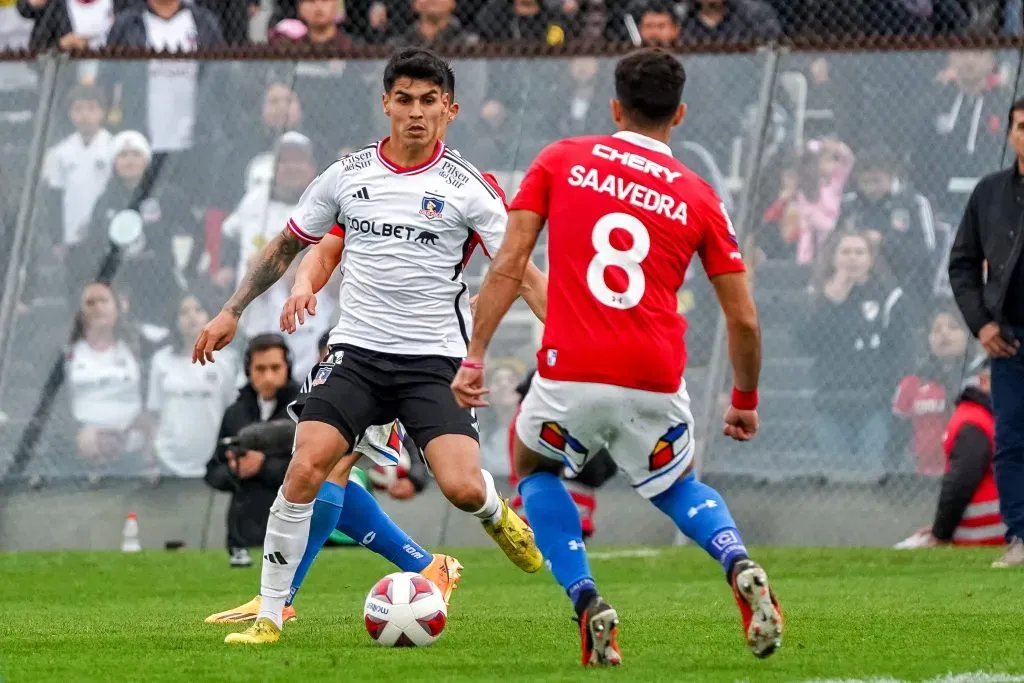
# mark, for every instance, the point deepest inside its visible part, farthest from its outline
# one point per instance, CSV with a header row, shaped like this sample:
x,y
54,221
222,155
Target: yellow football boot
x,y
515,539
445,572
247,612
263,632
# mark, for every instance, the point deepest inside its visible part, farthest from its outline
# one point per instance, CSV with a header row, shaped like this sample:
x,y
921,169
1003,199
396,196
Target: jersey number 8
x,y
627,259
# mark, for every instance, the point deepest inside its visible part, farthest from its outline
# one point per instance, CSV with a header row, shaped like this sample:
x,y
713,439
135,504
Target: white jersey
x,y
189,400
106,386
408,234
81,171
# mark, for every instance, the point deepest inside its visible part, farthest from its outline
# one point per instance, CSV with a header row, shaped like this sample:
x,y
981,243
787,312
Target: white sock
x,y
287,531
491,511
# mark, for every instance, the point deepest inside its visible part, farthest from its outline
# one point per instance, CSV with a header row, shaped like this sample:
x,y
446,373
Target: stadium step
x,y
783,404
777,341
792,434
777,305
781,274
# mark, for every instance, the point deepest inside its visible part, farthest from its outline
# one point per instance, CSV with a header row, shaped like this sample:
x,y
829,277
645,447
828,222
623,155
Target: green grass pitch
x,y
850,614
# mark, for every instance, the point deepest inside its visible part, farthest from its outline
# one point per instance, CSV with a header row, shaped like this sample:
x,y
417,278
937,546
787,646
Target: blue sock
x,y
326,511
365,523
700,513
556,527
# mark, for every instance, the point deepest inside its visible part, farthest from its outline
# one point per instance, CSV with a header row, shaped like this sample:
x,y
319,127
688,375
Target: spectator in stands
x,y
503,376
899,221
925,398
186,401
780,220
962,119
256,221
992,17
253,477
731,19
147,268
167,102
318,24
76,171
823,171
968,506
658,24
521,20
856,334
233,17
436,24
103,375
15,30
70,24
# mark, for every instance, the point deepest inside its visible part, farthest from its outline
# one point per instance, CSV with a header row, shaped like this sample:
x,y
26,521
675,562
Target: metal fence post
x,y
15,278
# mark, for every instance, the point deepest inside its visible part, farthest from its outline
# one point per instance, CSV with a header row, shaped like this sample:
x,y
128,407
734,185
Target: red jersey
x,y
624,220
924,403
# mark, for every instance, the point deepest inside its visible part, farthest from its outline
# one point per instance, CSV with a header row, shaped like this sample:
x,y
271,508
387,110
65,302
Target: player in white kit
x,y
410,210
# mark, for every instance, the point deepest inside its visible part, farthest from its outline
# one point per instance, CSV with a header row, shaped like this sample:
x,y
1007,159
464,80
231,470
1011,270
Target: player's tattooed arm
x,y
270,265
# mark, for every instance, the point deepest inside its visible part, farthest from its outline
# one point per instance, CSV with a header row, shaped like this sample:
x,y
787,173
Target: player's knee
x,y
466,492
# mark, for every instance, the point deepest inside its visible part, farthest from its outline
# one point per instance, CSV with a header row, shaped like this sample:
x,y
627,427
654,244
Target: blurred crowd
x,y
80,24
162,180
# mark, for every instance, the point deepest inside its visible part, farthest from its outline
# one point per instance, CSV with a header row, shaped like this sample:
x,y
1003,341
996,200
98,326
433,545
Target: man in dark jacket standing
x,y
990,239
253,477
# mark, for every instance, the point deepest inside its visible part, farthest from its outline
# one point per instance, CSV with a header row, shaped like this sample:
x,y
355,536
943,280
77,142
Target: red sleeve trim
x,y
302,234
337,231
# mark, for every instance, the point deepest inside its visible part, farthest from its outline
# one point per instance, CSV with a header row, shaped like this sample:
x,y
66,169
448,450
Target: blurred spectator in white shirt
x,y
70,24
258,219
77,168
187,401
104,379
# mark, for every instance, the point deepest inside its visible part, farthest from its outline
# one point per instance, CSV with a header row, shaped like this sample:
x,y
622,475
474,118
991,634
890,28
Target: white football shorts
x,y
648,434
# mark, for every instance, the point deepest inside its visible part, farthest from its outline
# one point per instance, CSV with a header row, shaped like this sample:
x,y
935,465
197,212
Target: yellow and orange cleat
x,y
246,612
445,572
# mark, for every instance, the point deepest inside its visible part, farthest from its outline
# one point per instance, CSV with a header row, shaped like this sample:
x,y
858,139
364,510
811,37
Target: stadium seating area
x,y
846,183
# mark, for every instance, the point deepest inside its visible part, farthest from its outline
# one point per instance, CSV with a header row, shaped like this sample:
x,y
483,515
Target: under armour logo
x,y
275,558
709,504
363,193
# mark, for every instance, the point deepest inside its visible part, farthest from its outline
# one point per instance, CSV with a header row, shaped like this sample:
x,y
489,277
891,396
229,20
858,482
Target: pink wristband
x,y
744,400
471,364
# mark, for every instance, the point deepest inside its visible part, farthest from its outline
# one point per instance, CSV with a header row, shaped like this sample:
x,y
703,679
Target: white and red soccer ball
x,y
404,609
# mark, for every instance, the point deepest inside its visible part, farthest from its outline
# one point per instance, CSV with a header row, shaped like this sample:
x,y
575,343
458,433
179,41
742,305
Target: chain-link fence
x,y
845,172
339,24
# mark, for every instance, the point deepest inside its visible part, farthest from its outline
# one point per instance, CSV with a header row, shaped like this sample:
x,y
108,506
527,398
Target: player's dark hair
x,y
1018,105
451,81
649,85
321,343
419,64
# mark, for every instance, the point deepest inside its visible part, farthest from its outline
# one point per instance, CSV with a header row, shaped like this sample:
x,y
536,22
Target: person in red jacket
x,y
968,509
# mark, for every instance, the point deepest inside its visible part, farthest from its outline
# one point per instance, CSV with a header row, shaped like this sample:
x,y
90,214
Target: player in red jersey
x,y
624,220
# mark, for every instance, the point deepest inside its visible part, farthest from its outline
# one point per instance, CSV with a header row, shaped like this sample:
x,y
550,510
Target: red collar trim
x,y
409,170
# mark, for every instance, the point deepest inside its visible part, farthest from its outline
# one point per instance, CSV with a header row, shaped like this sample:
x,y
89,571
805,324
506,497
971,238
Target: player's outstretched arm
x,y
744,334
315,270
270,264
534,290
497,294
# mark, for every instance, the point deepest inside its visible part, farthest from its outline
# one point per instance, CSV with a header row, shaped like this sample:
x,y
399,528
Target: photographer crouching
x,y
254,445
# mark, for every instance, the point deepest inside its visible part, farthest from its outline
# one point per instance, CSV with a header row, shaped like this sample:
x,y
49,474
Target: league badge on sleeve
x,y
431,207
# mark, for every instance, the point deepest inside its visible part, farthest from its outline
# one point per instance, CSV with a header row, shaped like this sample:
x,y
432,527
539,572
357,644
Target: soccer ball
x,y
404,610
